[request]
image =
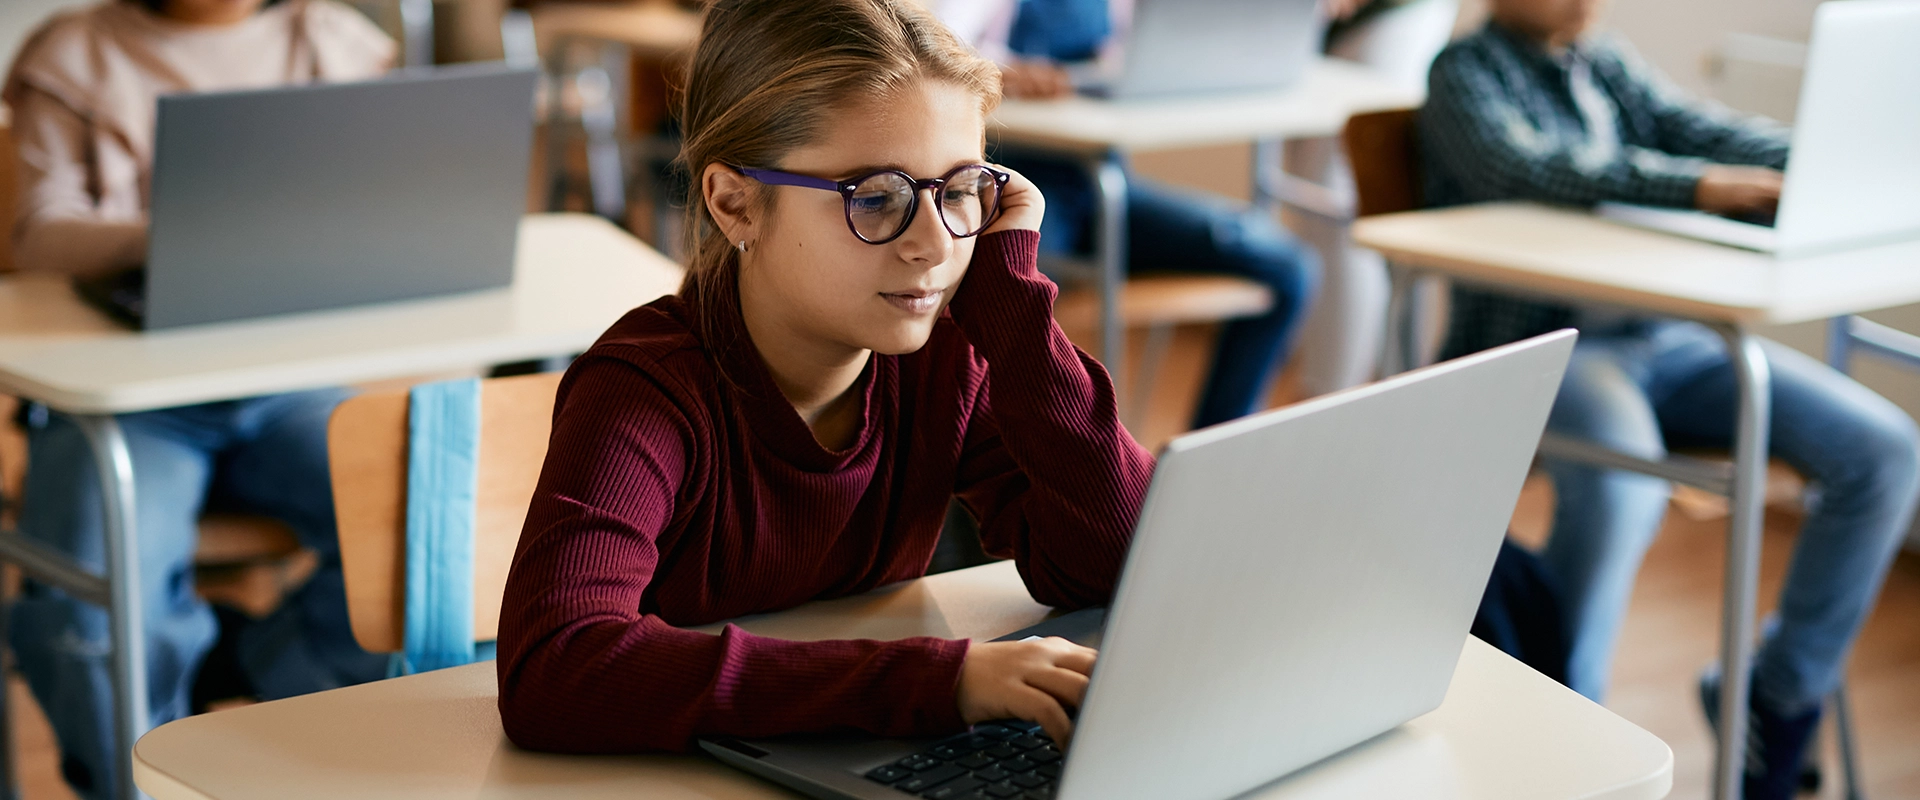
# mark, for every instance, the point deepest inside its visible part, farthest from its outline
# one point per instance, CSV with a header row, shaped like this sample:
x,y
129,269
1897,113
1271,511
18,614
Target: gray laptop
x,y
1854,177
1182,47
1299,582
314,197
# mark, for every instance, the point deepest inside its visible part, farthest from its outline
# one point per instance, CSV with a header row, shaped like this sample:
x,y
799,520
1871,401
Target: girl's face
x,y
210,12
804,274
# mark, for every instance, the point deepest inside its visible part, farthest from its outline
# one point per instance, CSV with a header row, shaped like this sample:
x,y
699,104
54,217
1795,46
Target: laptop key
x,y
929,779
996,732
1030,780
1003,790
1002,750
1046,755
1017,764
991,774
975,761
1042,793
947,752
887,774
1027,742
918,762
1050,770
952,789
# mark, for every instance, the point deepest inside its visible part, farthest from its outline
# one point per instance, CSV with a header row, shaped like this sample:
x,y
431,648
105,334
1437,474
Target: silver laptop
x,y
1176,47
1854,177
304,198
1299,582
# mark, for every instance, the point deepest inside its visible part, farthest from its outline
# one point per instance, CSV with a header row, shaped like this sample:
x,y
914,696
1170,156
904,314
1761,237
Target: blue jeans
x,y
265,455
1640,387
1171,230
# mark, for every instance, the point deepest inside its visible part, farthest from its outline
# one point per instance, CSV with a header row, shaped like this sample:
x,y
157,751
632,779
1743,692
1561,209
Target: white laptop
x,y
1173,48
1299,582
1853,179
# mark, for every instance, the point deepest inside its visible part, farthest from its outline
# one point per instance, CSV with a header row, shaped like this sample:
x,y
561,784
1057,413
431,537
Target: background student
x,y
1168,230
792,425
1532,108
83,97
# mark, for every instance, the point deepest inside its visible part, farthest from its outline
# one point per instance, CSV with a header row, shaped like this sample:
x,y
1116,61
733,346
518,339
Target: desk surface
x,y
574,275
1318,105
1504,730
1568,253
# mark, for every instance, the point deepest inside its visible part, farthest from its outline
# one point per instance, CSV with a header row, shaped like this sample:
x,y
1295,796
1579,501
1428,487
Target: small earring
x,y
742,245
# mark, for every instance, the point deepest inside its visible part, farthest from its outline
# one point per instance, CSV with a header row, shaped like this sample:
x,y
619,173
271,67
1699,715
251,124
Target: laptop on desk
x,y
1299,582
1175,48
313,197
1853,179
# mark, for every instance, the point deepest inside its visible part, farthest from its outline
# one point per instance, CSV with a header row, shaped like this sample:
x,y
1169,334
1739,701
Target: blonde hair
x,y
766,79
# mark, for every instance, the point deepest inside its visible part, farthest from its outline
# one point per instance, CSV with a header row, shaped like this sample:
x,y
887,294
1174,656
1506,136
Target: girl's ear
x,y
730,201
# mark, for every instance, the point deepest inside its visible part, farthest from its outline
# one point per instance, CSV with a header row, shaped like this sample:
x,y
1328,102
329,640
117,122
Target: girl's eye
x,y
870,203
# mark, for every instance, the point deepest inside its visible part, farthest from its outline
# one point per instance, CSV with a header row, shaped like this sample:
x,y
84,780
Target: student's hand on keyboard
x,y
1731,189
1034,80
1034,680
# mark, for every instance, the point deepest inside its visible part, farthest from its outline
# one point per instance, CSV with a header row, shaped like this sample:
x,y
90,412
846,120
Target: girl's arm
x,y
1054,478
60,227
582,670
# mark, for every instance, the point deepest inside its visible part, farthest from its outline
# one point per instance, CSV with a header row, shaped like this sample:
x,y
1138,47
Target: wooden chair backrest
x,y
367,455
1386,161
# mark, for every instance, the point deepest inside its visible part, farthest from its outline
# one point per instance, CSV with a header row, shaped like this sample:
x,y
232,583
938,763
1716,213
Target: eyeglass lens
x,y
879,205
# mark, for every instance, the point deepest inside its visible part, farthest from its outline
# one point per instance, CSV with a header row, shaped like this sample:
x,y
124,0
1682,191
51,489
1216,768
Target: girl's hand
x,y
1021,206
1032,680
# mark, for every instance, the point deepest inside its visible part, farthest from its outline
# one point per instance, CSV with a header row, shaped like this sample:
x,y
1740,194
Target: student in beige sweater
x,y
83,99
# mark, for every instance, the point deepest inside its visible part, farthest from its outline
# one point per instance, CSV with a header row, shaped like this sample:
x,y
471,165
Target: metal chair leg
x,y
1849,748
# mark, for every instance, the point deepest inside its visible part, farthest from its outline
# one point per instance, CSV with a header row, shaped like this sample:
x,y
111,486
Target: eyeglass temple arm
x,y
773,177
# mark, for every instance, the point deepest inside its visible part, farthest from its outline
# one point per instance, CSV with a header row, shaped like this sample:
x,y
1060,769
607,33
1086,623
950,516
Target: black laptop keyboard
x,y
994,761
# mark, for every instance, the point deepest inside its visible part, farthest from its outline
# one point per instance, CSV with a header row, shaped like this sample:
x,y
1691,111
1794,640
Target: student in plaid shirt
x,y
1533,108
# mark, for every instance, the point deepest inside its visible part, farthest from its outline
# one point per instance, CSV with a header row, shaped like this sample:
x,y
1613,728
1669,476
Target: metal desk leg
x,y
556,120
1747,500
1398,349
416,32
600,120
130,710
1110,192
1840,343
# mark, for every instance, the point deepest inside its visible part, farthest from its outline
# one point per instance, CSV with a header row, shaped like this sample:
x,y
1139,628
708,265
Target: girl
x,y
83,96
862,336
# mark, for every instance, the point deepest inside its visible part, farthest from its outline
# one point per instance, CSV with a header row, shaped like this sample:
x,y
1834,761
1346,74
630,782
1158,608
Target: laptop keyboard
x,y
1006,760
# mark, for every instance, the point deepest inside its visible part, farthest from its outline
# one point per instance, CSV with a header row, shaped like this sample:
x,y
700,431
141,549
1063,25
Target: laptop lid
x,y
1188,46
1854,175
303,198
1303,580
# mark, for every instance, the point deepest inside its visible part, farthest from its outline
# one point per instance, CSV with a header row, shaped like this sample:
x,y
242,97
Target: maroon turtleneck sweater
x,y
674,496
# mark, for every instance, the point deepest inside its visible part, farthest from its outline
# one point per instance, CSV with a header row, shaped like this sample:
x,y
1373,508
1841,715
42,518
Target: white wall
x,y
19,17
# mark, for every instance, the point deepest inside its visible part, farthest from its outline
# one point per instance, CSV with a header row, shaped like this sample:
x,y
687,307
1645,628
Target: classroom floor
x,y
1669,635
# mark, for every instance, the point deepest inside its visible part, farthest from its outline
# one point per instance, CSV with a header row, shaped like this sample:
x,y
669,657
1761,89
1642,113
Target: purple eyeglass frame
x,y
774,177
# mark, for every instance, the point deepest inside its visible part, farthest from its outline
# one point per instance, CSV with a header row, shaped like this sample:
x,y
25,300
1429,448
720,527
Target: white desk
x,y
574,275
1570,255
1504,730
1093,131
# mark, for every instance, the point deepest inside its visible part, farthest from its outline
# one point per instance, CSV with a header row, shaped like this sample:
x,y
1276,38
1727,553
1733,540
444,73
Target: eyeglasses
x,y
880,205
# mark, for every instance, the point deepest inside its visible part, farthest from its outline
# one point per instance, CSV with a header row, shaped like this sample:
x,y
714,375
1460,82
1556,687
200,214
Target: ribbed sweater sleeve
x,y
1053,477
581,669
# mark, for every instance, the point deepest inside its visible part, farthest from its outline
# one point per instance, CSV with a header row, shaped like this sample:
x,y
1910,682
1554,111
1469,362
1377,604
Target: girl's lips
x,y
915,303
